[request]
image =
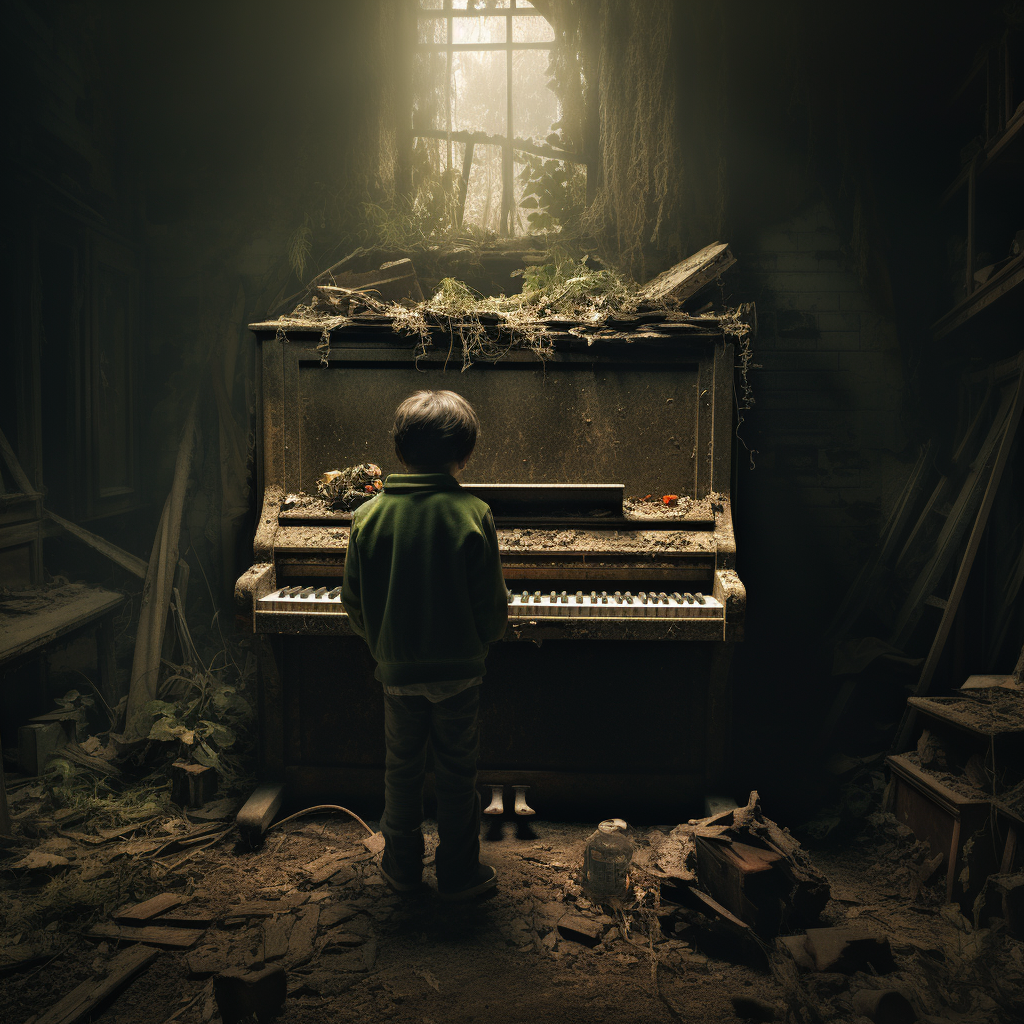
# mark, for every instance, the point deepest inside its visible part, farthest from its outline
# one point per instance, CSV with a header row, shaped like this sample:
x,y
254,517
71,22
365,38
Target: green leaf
x,y
163,730
204,755
529,202
160,707
220,734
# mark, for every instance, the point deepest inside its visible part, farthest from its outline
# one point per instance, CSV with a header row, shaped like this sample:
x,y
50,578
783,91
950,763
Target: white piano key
x,y
313,601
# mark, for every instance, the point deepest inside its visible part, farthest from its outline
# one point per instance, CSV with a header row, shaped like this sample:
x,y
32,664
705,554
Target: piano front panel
x,y
537,417
566,706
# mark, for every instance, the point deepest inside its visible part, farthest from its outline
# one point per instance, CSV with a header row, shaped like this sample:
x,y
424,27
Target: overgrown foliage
x,y
554,192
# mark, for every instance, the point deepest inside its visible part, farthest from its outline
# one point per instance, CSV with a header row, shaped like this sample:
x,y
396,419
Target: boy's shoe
x,y
482,880
398,880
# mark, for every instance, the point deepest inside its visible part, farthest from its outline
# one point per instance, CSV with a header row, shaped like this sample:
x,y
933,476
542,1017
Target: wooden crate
x,y
946,819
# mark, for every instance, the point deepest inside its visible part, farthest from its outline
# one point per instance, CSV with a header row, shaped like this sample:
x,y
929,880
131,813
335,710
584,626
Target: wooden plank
x,y
149,908
965,449
151,935
303,935
960,583
276,933
14,466
129,562
687,278
393,281
704,901
958,521
518,145
90,994
1009,278
30,632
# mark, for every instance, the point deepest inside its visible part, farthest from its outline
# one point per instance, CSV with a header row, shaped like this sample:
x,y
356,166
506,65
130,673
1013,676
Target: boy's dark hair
x,y
434,428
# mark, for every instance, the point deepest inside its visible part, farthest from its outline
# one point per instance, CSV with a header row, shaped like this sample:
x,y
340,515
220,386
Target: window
x,y
483,108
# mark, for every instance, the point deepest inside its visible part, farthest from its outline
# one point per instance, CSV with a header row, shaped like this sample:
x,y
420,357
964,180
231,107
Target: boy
x,y
423,586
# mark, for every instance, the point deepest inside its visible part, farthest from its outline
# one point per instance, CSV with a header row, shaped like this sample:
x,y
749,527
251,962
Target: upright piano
x,y
610,690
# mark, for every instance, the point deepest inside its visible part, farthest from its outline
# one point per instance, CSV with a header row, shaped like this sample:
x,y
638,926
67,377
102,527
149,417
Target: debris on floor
x,y
307,924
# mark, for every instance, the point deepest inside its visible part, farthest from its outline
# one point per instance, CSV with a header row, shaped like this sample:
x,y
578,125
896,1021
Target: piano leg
x,y
522,807
497,805
719,720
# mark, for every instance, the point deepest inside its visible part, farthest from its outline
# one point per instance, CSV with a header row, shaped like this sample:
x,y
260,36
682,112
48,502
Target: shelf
x,y
996,149
999,714
1001,283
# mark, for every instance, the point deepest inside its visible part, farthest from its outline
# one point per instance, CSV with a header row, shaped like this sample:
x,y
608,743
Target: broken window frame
x,y
508,143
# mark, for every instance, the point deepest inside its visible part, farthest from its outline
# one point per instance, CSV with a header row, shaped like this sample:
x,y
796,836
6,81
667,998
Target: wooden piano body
x,y
605,714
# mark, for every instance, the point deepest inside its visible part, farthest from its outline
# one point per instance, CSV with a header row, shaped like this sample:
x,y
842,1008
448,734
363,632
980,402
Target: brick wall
x,y
831,456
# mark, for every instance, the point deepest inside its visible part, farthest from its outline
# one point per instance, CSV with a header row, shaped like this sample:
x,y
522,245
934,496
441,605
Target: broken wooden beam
x,y
151,935
156,597
141,912
393,281
129,562
679,283
90,994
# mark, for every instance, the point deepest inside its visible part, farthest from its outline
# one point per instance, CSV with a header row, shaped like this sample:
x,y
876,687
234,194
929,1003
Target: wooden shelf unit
x,y
988,93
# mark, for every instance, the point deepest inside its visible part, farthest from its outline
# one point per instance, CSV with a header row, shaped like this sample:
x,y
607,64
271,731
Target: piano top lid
x,y
647,326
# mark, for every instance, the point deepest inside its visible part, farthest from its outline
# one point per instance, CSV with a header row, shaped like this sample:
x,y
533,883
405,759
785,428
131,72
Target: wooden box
x,y
945,818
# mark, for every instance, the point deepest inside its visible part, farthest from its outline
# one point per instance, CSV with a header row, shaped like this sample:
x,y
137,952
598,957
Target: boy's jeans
x,y
452,726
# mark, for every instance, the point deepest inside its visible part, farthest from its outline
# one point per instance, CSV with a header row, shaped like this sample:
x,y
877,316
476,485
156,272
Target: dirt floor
x,y
354,951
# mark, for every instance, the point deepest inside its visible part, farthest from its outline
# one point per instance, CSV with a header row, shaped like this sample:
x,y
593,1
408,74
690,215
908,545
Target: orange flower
x,y
670,499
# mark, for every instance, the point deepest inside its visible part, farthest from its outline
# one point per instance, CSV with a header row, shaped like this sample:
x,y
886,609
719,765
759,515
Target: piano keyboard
x,y
527,605
315,600
618,605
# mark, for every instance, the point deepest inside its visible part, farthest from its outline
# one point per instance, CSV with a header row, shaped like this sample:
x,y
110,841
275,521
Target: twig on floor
x,y
181,1009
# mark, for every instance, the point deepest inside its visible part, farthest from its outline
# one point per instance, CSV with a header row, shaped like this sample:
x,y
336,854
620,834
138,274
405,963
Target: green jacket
x,y
423,582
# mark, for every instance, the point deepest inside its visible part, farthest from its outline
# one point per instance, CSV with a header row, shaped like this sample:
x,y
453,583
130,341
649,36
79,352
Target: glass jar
x,y
607,859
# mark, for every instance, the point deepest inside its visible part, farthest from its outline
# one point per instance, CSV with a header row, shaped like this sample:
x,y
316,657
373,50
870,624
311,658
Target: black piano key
x,y
604,597
320,592
642,597
306,592
334,594
579,597
563,598
700,598
618,596
536,596
677,597
662,598
688,597
525,596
